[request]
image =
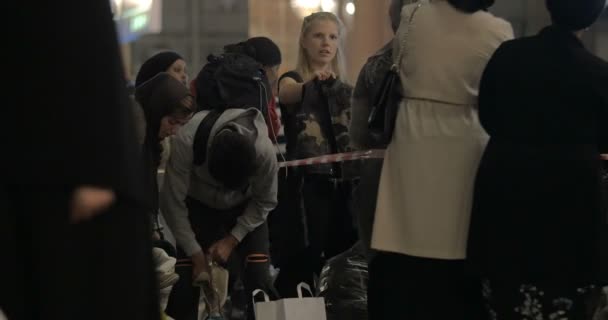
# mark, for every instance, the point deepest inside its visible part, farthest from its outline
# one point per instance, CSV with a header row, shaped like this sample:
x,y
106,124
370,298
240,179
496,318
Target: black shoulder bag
x,y
381,121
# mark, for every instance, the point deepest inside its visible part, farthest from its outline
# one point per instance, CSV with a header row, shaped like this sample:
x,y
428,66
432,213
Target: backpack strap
x,y
201,137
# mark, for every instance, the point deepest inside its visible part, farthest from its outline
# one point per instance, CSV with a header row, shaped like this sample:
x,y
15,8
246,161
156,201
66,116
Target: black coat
x,y
539,213
69,124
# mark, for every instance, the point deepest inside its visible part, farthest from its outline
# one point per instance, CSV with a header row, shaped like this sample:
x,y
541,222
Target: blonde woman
x,y
327,229
321,56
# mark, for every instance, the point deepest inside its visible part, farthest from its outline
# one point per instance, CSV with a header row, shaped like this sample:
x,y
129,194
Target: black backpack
x,y
227,81
231,80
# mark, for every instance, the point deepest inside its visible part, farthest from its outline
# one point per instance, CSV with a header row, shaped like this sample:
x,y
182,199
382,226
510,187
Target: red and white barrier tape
x,y
338,157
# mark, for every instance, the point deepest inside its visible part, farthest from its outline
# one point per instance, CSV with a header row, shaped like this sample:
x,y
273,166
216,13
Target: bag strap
x,y
258,291
327,124
157,227
328,119
404,35
304,285
201,137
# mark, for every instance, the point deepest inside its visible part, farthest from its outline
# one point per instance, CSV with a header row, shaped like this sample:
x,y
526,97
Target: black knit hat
x,y
156,64
575,15
262,49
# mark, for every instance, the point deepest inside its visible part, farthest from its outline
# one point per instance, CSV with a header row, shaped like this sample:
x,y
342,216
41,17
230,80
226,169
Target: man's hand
x,y
199,264
87,202
221,250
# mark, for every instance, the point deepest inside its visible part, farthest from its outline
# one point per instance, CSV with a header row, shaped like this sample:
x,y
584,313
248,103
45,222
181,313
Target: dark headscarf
x,y
157,98
160,62
262,49
575,15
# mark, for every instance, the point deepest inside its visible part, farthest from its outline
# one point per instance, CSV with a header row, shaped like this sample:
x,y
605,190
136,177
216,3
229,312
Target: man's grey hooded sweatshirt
x,y
183,179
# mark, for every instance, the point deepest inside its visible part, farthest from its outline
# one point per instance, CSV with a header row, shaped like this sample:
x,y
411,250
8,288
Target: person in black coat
x,y
539,222
369,84
74,234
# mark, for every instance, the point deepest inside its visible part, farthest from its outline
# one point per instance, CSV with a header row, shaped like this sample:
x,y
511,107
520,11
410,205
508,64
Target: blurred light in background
x,y
328,5
130,8
116,6
138,5
136,17
306,3
350,8
305,7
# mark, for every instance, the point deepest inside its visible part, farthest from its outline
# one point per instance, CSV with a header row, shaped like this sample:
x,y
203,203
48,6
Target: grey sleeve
x,y
174,192
263,196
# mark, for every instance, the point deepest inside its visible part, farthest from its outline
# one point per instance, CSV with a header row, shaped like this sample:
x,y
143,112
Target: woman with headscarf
x,y
167,105
539,229
426,186
160,98
166,61
369,84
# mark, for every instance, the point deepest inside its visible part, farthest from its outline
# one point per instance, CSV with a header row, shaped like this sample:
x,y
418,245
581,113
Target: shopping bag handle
x,y
255,293
304,285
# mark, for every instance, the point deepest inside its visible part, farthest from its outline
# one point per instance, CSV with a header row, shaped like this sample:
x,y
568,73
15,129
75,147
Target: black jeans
x,y
329,231
406,287
209,226
286,222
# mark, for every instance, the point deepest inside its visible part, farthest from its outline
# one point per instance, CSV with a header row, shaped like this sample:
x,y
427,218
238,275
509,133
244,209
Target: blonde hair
x,y
338,64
